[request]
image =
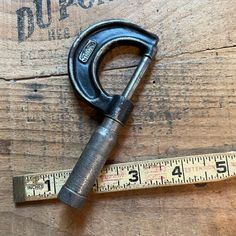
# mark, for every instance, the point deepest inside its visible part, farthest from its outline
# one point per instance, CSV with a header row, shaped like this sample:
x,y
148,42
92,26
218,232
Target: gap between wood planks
x,y
123,68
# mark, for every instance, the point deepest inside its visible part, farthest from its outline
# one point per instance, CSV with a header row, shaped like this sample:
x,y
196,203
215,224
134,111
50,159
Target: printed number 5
x,y
221,167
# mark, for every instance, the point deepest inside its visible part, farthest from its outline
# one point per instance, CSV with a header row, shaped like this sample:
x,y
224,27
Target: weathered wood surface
x,y
187,105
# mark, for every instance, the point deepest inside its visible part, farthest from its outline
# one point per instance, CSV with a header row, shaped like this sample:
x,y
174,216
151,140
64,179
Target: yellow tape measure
x,y
133,175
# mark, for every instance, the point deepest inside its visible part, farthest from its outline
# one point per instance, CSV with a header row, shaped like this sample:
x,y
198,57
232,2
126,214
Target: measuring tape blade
x,y
132,175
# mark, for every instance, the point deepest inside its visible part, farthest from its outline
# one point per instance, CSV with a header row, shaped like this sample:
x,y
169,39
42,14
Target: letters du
x,y
26,14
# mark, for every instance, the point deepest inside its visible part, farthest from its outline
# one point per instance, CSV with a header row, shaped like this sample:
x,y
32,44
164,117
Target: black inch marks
x,y
40,15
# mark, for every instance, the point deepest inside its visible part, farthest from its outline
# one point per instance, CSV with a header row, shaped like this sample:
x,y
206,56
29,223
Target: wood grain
x,y
186,105
183,27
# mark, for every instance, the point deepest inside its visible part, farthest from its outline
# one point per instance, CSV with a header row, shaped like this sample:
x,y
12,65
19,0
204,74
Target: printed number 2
x,y
221,167
134,174
177,171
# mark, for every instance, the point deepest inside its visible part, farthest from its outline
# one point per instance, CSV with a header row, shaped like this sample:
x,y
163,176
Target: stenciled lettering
x,y
26,19
39,13
63,4
25,14
58,34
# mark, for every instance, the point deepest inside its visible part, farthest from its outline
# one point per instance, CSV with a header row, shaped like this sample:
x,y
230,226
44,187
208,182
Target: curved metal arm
x,y
89,48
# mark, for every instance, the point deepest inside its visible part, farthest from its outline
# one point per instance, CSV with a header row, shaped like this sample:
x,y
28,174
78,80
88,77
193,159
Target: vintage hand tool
x,y
84,58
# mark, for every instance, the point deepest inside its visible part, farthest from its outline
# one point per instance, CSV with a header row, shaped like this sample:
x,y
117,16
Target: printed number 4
x,y
177,171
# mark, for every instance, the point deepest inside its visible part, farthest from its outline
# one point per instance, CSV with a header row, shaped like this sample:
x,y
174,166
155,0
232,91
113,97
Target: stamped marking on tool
x,y
87,51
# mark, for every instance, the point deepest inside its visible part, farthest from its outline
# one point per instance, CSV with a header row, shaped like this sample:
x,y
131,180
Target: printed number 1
x,y
48,184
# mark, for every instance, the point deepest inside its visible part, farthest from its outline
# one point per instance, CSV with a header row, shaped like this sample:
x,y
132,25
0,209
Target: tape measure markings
x,y
132,175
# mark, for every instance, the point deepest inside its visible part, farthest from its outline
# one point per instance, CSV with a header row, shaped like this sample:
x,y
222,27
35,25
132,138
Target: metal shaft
x,y
136,77
88,167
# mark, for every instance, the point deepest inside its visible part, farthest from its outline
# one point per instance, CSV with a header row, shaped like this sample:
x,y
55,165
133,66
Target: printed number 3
x,y
134,174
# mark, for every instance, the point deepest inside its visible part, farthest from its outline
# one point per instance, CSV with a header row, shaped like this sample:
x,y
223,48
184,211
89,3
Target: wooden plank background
x,y
186,105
